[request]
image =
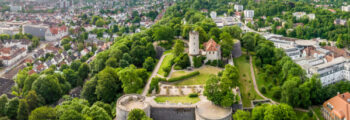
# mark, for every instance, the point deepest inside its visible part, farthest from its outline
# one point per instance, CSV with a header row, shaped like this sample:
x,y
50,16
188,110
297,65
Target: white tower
x,y
194,43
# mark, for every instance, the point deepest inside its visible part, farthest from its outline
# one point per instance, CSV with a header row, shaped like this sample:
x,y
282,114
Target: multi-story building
x,y
311,16
340,22
12,51
226,21
248,13
330,63
337,108
213,14
36,30
298,15
345,8
15,8
238,7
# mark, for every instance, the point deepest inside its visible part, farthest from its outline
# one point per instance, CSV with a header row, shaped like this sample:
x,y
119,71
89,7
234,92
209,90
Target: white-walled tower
x,y
194,43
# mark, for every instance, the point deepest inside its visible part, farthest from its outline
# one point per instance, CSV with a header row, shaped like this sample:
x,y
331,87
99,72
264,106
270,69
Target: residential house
x,y
340,22
212,50
337,108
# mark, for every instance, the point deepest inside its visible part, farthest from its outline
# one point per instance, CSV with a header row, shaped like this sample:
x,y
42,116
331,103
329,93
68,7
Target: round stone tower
x,y
194,43
128,102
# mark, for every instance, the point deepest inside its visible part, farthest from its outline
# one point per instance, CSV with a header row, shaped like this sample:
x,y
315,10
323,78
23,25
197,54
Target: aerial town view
x,y
174,59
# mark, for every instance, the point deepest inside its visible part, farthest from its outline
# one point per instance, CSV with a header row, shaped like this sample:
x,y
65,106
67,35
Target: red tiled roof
x,y
5,50
337,52
211,45
31,72
5,57
339,106
56,30
40,67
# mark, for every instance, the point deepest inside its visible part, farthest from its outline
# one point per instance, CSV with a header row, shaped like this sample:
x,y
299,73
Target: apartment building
x,y
329,62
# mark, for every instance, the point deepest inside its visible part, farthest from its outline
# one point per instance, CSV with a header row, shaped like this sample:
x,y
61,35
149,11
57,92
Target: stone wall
x,y
172,113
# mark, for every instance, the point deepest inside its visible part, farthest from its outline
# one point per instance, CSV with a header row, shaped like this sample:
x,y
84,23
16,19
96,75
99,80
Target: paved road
x,y
154,74
254,81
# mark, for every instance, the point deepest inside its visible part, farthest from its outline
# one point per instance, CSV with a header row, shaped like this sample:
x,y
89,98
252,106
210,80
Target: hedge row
x,y
192,74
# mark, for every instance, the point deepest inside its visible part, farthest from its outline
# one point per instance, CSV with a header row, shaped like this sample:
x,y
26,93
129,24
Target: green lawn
x,y
165,63
246,83
177,99
318,112
200,79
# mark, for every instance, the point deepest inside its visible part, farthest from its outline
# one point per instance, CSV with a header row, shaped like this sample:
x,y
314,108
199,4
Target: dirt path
x,y
154,74
254,81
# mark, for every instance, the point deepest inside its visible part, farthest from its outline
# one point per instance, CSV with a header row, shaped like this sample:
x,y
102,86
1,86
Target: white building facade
x,y
345,8
248,13
238,7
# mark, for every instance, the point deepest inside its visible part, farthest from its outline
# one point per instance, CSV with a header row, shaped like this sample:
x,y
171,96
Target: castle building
x,y
212,50
194,43
203,110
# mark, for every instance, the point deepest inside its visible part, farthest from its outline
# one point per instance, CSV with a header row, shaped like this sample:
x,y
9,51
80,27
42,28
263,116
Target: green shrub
x,y
214,63
208,62
198,61
193,95
166,70
263,90
182,60
221,63
192,74
154,84
276,92
178,67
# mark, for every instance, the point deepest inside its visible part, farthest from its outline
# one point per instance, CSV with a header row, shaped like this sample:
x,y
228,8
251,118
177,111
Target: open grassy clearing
x,y
246,83
200,79
165,63
177,99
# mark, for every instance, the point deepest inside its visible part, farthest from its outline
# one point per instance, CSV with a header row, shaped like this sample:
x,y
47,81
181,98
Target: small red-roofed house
x,y
212,50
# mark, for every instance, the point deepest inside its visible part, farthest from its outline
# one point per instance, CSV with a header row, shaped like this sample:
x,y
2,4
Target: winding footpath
x,y
154,74
254,81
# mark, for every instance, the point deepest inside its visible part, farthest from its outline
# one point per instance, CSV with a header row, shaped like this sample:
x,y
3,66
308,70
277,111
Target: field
x,y
177,99
165,63
246,83
200,79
